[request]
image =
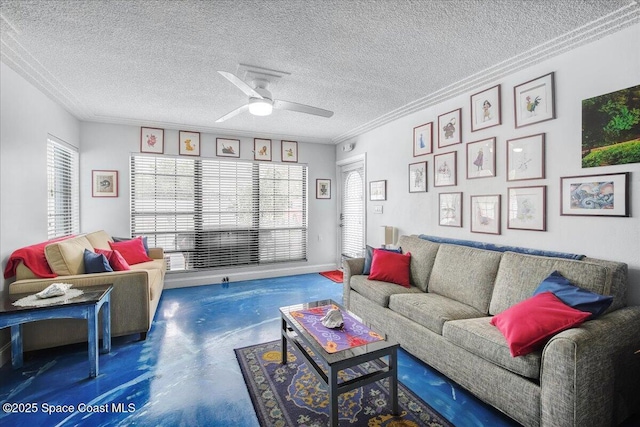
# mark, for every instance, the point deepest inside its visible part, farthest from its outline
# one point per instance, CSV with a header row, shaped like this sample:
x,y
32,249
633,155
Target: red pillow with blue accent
x,y
391,267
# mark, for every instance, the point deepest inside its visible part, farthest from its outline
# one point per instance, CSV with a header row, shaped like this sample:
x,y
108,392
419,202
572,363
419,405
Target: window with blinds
x,y
63,199
209,213
352,216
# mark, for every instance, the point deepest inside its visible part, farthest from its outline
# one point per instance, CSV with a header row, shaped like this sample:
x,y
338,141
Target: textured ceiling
x,y
154,63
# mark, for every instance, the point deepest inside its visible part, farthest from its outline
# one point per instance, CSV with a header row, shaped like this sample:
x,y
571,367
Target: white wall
x,y
604,66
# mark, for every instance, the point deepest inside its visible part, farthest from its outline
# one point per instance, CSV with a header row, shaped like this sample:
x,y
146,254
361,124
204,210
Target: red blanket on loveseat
x,y
33,258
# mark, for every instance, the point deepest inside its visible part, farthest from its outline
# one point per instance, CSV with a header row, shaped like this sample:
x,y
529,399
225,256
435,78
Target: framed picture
x,y
418,177
423,139
290,151
525,158
481,158
485,214
527,208
450,209
449,128
104,183
152,140
378,190
323,188
595,195
444,169
485,109
533,101
262,149
227,147
189,143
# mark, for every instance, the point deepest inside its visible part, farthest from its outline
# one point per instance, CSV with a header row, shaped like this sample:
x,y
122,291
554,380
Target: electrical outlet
x,y
377,209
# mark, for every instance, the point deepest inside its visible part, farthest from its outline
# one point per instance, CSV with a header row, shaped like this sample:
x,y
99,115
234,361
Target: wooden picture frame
x,y
595,195
481,158
525,158
289,151
189,143
262,149
226,147
104,183
526,208
450,209
450,128
485,214
534,101
418,177
423,139
378,190
323,188
485,109
445,169
151,140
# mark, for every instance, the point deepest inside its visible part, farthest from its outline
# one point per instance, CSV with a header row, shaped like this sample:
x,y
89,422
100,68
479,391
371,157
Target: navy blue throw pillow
x,y
95,263
369,257
574,296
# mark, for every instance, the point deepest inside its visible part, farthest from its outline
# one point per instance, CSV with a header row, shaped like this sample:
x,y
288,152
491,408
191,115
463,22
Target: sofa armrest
x,y
589,371
156,253
350,267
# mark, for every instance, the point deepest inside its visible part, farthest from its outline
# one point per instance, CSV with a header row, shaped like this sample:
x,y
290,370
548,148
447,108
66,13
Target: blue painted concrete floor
x,y
186,374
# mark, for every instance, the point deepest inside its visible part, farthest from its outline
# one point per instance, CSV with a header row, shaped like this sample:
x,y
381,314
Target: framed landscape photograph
x,y
445,169
378,190
450,128
290,151
485,109
262,149
481,158
189,143
323,188
485,214
525,158
152,140
227,147
533,101
450,209
418,177
423,139
595,195
527,208
104,183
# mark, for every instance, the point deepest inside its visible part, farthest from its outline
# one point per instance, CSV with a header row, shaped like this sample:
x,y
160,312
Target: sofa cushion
x,y
390,267
95,263
67,257
99,239
519,275
431,310
465,275
423,254
377,291
131,250
480,337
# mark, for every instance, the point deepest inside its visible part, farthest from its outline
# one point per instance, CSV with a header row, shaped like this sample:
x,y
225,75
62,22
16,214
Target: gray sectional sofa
x,y
584,376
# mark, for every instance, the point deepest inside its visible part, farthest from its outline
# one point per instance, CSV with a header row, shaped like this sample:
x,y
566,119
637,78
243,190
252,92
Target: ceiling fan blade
x,y
240,84
301,108
233,113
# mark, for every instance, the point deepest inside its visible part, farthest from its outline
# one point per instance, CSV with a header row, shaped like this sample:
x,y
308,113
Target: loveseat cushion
x,y
479,337
423,255
465,275
99,239
66,257
377,291
431,310
156,270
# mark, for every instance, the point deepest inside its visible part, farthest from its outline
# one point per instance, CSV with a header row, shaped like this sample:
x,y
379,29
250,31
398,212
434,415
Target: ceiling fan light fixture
x,y
260,107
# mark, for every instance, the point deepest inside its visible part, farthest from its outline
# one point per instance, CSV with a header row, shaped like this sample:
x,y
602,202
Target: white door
x,y
352,209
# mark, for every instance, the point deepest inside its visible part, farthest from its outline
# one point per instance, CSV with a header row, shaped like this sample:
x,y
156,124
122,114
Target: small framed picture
x,y
290,151
485,214
450,209
533,101
481,158
227,147
189,143
378,190
423,139
485,109
418,177
152,140
323,188
525,158
449,128
104,183
262,149
595,195
527,208
445,169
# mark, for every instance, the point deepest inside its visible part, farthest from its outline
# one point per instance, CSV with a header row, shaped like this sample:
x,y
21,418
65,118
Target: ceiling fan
x,y
261,102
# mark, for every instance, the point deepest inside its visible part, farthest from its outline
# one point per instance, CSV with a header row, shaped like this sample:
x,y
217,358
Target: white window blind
x,y
209,213
63,200
352,216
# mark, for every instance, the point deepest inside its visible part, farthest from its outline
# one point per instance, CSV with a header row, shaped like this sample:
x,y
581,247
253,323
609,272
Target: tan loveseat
x,y
134,298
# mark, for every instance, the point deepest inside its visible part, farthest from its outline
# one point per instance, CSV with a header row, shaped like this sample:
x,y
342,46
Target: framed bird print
x,y
534,101
104,183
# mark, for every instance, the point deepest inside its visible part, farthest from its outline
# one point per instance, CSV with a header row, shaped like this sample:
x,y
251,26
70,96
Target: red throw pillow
x,y
528,324
132,250
116,260
391,267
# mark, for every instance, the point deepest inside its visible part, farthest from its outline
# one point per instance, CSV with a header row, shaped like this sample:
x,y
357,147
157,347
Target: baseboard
x,y
184,280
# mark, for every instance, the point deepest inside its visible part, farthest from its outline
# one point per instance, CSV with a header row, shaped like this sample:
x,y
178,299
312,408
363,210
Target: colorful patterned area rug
x,y
292,396
333,275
